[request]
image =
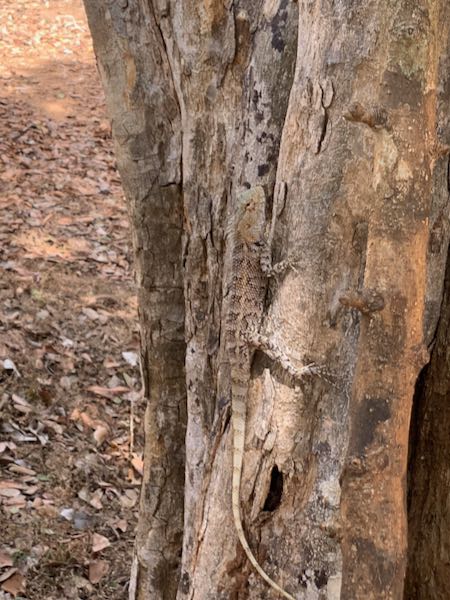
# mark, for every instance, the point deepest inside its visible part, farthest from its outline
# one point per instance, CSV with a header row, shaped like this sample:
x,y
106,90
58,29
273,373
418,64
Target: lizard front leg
x,y
267,267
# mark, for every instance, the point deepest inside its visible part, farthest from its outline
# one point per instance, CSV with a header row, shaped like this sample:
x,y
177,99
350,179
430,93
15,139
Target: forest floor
x,y
70,402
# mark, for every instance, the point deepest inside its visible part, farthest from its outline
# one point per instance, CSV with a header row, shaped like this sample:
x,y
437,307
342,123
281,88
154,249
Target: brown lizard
x,y
251,267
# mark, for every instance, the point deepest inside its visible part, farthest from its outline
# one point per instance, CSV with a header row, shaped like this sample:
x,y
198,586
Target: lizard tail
x,y
238,452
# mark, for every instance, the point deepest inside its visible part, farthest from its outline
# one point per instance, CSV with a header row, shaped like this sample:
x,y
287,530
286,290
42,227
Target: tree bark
x,y
340,112
146,128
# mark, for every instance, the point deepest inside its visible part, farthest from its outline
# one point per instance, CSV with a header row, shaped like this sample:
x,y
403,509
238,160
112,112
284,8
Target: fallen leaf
x,y
37,503
90,313
16,501
31,490
57,428
20,401
82,584
84,494
110,363
100,434
121,524
99,542
138,463
22,470
131,477
114,382
7,446
75,414
47,510
9,174
87,188
9,492
67,513
97,570
106,392
8,483
15,585
96,499
5,560
131,358
129,498
86,420
65,382
7,574
8,365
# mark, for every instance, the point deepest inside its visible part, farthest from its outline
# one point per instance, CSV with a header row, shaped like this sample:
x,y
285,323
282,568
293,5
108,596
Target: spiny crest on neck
x,y
251,215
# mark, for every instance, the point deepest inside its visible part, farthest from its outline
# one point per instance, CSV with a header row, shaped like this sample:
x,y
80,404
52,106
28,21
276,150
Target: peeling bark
x,y
340,111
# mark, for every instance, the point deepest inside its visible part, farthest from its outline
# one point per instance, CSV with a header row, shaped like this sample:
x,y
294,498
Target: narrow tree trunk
x,y
146,128
341,114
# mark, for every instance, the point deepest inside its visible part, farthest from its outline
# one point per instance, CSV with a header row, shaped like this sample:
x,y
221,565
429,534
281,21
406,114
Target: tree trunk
x,y
340,112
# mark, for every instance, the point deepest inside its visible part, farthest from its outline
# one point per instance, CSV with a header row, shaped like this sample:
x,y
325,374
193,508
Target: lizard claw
x,y
317,370
323,373
284,265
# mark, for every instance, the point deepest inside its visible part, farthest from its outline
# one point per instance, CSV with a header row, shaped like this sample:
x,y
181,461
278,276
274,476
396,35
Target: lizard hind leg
x,y
266,345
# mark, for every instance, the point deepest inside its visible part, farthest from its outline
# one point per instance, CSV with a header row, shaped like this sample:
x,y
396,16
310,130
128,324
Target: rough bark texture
x,y
340,109
146,127
407,195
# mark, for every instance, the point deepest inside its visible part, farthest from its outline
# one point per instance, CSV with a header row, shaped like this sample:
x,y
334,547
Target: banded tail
x,y
238,420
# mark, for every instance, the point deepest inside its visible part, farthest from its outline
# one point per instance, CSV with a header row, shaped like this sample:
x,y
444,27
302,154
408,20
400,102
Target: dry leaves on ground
x,y
70,402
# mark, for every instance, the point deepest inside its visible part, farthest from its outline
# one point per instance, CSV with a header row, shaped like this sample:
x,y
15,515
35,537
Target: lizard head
x,y
251,215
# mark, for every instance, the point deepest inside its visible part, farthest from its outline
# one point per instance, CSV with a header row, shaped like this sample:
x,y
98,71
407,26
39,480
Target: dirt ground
x,y
70,402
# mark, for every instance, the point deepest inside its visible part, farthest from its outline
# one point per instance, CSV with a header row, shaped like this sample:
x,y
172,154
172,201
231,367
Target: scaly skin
x,y
249,259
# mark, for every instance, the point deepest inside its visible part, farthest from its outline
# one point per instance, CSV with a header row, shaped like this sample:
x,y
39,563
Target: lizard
x,y
251,266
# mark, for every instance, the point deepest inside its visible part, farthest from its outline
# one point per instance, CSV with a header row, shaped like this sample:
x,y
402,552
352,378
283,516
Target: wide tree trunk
x,y
340,112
